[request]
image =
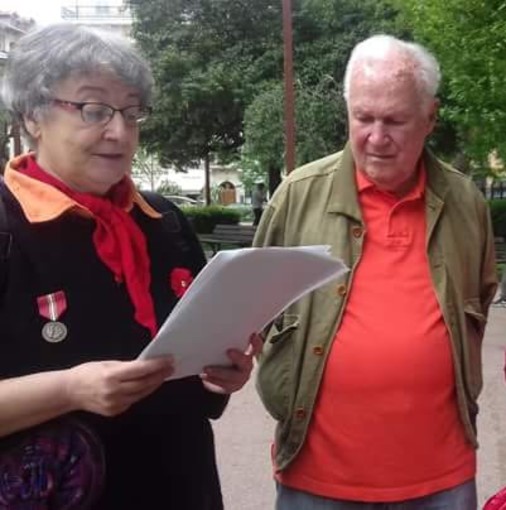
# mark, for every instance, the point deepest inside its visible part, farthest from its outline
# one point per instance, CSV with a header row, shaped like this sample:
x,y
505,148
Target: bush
x,y
498,214
245,211
204,219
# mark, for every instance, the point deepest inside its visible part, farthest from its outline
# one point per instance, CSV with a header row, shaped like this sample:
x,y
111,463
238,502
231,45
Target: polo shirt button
x,y
300,413
357,232
341,290
318,350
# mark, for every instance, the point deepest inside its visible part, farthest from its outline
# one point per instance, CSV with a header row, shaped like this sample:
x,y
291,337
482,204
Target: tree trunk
x,y
207,183
274,176
16,136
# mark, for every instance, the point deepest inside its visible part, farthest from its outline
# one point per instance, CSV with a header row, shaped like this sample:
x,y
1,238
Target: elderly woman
x,y
92,270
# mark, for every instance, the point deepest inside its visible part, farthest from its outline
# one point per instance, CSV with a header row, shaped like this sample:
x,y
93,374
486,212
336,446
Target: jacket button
x,y
300,413
341,290
357,232
317,350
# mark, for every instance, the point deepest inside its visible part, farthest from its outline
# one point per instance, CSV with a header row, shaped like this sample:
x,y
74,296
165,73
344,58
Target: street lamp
x,y
289,87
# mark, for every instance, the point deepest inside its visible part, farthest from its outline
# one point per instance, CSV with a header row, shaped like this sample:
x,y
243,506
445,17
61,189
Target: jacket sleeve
x,y
270,231
488,261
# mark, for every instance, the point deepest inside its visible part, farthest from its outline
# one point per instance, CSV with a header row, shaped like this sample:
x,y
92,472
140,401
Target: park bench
x,y
500,255
500,250
239,236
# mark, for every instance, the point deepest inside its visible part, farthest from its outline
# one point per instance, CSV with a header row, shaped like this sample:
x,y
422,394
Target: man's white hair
x,y
423,65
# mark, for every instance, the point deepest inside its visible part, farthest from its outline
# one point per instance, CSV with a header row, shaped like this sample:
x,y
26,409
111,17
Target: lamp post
x,y
289,87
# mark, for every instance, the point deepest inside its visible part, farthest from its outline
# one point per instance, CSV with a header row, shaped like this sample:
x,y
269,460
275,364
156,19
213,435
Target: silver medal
x,y
54,332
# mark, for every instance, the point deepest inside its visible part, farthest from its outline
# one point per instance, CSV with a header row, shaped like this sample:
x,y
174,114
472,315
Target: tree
x,y
320,116
207,56
264,147
468,38
146,168
4,138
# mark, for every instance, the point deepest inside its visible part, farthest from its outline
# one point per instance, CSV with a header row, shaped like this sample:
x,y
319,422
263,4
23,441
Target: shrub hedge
x,y
205,218
498,214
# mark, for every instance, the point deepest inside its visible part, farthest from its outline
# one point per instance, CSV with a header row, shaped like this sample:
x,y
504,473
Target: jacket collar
x,y
344,194
42,202
437,183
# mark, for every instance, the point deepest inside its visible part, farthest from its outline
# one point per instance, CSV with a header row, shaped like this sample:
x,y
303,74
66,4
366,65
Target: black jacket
x,y
160,453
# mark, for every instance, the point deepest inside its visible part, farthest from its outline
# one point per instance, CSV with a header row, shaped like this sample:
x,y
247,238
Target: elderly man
x,y
374,381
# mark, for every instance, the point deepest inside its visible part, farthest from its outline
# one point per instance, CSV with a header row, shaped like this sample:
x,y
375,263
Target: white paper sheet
x,y
238,293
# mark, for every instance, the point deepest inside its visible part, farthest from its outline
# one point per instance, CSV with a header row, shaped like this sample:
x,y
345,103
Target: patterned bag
x,y
497,501
58,465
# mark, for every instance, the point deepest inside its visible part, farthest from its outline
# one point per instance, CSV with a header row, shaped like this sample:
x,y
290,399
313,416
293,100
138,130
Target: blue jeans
x,y
462,497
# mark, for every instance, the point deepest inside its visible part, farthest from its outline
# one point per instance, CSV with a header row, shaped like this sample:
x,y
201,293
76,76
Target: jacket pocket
x,y
474,329
274,378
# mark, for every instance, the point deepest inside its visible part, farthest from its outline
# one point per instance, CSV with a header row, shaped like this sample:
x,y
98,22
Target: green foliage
x,y
207,57
498,214
168,187
250,169
245,212
468,38
204,219
263,127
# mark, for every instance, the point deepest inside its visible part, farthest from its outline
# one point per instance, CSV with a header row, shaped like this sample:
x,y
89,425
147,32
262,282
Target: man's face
x,y
389,120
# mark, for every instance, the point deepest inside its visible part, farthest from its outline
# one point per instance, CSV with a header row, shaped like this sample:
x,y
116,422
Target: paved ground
x,y
243,434
492,419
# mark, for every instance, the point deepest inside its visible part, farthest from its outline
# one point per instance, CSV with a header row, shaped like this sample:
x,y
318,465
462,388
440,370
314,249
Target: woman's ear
x,y
32,127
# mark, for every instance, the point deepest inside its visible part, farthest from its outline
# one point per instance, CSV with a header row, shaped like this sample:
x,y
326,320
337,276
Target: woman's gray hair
x,y
43,58
379,47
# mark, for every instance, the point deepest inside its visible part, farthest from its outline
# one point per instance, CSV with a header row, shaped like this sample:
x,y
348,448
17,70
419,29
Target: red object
x,y
497,502
119,242
52,306
180,279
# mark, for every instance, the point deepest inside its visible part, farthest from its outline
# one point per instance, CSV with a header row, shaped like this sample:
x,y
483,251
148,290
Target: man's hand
x,y
229,379
109,388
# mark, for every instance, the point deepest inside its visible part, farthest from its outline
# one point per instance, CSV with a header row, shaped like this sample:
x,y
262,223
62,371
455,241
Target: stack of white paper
x,y
238,293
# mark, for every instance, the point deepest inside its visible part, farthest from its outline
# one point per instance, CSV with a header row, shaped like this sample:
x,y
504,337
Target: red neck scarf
x,y
119,242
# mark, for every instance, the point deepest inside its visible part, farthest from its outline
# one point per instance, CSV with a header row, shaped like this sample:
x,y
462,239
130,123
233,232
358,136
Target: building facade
x,y
110,15
12,27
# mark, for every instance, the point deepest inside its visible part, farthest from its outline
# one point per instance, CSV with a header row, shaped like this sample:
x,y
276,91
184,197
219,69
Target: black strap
x,y
176,225
5,238
171,222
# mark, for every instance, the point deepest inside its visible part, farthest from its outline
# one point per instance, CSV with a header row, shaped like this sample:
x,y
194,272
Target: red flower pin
x,y
180,279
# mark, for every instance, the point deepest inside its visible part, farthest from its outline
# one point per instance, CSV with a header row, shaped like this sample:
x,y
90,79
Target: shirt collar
x,y
364,183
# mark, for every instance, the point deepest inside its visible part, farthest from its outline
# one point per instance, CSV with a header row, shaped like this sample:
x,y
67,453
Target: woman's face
x,y
88,157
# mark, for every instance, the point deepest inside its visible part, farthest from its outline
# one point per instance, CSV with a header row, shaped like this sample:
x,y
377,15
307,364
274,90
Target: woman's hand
x,y
230,379
111,387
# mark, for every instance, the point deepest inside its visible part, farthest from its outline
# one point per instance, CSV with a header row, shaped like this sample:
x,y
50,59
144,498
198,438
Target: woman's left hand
x,y
221,379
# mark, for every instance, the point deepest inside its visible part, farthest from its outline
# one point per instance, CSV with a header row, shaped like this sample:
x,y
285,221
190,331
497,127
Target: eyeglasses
x,y
101,114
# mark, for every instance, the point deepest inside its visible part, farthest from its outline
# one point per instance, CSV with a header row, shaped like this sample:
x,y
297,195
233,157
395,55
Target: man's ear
x,y
433,115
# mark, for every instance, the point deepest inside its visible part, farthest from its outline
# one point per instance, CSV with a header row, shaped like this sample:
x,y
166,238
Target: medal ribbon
x,y
52,306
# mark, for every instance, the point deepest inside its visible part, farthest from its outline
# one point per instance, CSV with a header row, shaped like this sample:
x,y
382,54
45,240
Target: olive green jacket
x,y
318,204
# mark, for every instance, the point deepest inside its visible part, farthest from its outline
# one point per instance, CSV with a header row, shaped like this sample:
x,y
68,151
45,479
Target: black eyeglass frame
x,y
80,105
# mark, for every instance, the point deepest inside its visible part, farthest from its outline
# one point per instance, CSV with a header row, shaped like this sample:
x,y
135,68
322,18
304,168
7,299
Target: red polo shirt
x,y
386,425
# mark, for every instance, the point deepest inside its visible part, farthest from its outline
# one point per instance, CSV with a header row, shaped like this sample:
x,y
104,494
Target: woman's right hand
x,y
109,388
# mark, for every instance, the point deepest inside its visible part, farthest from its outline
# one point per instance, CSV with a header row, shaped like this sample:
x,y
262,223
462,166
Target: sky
x,y
42,11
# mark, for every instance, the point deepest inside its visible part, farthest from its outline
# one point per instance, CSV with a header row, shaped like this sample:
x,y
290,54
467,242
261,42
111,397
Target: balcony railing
x,y
96,12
